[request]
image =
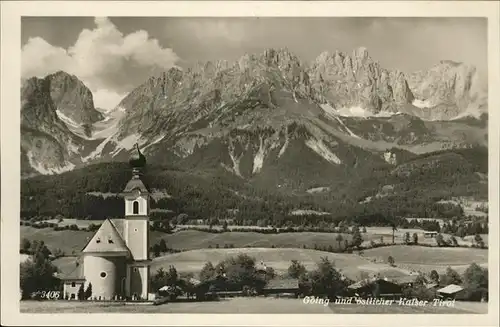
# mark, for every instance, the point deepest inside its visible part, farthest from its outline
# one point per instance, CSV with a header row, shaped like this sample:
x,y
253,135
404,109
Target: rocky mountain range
x,y
266,116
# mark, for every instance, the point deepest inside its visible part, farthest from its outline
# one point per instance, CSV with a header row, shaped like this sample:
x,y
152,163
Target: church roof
x,y
107,239
119,225
135,183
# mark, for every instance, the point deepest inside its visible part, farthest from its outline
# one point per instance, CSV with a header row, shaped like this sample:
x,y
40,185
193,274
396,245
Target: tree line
x,y
90,193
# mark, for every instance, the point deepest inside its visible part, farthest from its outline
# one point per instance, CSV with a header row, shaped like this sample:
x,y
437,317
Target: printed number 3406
x,y
50,295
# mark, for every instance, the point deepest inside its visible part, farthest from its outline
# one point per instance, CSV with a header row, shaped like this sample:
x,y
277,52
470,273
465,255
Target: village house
x,y
282,287
375,287
451,292
405,281
72,282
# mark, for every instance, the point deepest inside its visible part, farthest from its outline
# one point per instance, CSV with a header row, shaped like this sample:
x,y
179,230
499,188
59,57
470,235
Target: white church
x,y
115,261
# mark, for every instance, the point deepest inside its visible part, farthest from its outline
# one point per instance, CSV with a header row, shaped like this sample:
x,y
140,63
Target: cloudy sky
x,y
113,55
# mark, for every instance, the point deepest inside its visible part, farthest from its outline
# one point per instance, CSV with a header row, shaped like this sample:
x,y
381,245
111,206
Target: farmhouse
x,y
282,286
405,281
116,259
451,292
72,283
375,287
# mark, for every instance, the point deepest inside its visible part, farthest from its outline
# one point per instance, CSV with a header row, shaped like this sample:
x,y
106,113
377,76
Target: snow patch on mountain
x,y
328,109
285,145
258,160
318,189
72,148
70,123
321,149
109,125
353,112
422,103
158,139
98,150
128,143
469,113
100,130
360,112
346,128
390,158
236,163
332,113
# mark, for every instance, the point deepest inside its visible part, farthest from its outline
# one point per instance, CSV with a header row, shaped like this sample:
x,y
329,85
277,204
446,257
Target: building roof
x,y
75,274
450,289
404,279
135,184
194,281
368,281
119,225
286,283
431,285
360,283
107,240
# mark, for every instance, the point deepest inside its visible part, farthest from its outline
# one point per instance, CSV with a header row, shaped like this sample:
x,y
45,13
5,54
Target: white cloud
x,y
107,99
107,61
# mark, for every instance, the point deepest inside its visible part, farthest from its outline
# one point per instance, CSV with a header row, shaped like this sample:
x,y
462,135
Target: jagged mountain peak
x,y
63,74
448,90
270,104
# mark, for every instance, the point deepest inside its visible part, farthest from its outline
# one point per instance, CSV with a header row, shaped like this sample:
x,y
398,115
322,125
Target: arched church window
x,y
98,240
136,208
110,241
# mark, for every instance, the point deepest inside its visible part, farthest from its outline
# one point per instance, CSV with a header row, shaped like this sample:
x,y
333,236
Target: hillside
x,y
410,188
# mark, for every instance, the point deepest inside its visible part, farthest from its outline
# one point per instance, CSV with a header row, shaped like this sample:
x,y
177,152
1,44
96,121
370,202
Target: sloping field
x,y
426,255
191,239
425,259
375,233
66,240
69,241
279,259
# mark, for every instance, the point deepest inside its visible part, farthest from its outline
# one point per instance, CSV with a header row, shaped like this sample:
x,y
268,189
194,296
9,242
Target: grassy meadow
x,y
261,305
199,247
408,260
71,242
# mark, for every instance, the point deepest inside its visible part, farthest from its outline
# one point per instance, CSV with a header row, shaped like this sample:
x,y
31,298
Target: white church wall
x,y
104,275
144,271
137,237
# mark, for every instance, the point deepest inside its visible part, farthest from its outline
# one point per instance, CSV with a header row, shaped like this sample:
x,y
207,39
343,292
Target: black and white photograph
x,y
253,164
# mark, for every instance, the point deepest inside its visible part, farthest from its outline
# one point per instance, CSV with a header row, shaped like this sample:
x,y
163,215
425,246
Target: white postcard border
x,y
11,11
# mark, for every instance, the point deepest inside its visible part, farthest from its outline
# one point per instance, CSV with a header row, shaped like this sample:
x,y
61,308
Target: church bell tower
x,y
136,228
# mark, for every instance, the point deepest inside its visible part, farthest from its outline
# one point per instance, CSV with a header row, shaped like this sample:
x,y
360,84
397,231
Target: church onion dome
x,y
137,159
